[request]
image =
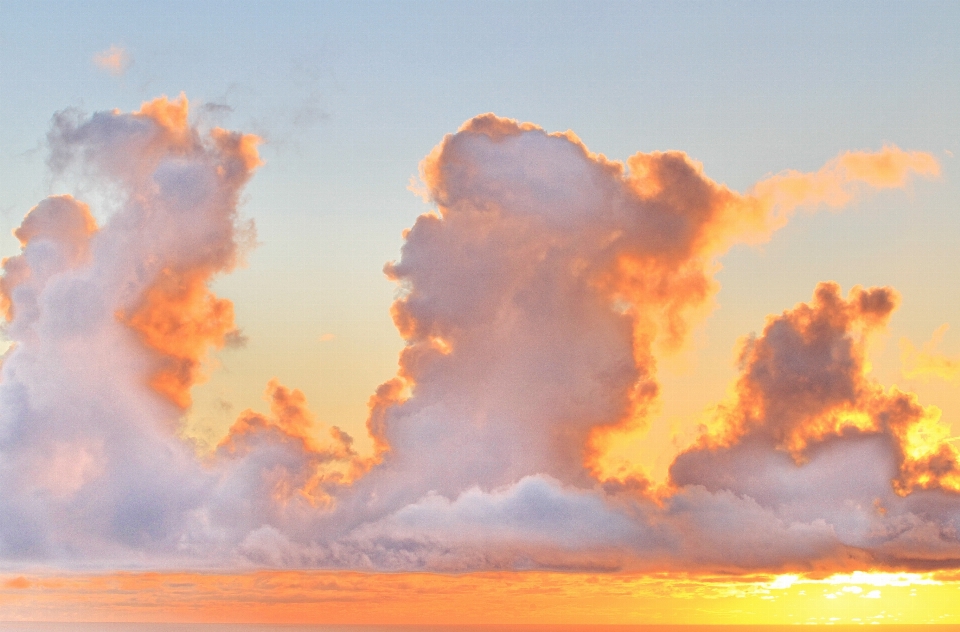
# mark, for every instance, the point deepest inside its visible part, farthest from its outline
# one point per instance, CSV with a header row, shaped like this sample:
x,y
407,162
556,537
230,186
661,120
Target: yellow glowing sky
x,y
492,598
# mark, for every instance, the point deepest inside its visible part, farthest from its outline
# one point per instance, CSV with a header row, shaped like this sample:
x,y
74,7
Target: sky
x,y
638,305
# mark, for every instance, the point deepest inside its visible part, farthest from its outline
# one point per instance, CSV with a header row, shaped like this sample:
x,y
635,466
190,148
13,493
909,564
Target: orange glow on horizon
x,y
325,597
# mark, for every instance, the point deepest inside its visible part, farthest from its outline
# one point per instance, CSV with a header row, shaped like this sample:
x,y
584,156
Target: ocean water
x,y
249,627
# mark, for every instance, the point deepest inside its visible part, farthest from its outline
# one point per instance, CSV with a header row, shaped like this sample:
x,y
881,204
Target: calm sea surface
x,y
227,627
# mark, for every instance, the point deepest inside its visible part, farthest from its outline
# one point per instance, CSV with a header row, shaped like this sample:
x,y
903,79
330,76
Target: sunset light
x,y
478,313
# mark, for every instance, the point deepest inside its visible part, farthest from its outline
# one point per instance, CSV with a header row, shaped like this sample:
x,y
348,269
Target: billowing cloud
x,y
534,304
114,60
812,442
109,328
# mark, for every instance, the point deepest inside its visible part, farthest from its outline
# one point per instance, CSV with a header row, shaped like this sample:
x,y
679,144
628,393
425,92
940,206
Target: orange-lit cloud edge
x,y
661,295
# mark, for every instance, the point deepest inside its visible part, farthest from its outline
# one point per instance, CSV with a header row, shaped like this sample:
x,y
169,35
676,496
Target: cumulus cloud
x,y
114,60
811,440
110,326
534,304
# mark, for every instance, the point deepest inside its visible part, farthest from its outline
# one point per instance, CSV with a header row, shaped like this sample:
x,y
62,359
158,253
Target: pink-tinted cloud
x,y
109,325
534,304
538,299
114,60
836,183
811,442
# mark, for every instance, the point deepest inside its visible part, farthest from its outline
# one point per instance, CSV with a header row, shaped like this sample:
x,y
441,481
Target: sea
x,y
249,627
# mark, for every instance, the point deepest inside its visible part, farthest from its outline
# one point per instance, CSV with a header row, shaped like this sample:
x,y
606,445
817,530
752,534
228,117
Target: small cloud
x,y
418,188
310,115
948,152
17,582
214,114
114,60
873,594
327,337
235,339
216,107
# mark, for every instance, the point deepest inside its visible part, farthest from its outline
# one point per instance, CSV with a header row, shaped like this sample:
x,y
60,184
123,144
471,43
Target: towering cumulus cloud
x,y
534,304
848,471
110,327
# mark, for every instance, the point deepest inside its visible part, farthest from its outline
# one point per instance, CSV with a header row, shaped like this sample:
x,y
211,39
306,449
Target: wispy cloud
x,y
115,60
928,361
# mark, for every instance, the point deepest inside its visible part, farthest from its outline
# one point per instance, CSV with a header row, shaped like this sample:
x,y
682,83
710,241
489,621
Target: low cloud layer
x,y
534,303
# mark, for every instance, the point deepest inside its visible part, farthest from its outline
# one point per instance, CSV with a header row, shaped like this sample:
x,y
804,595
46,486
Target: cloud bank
x,y
534,304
